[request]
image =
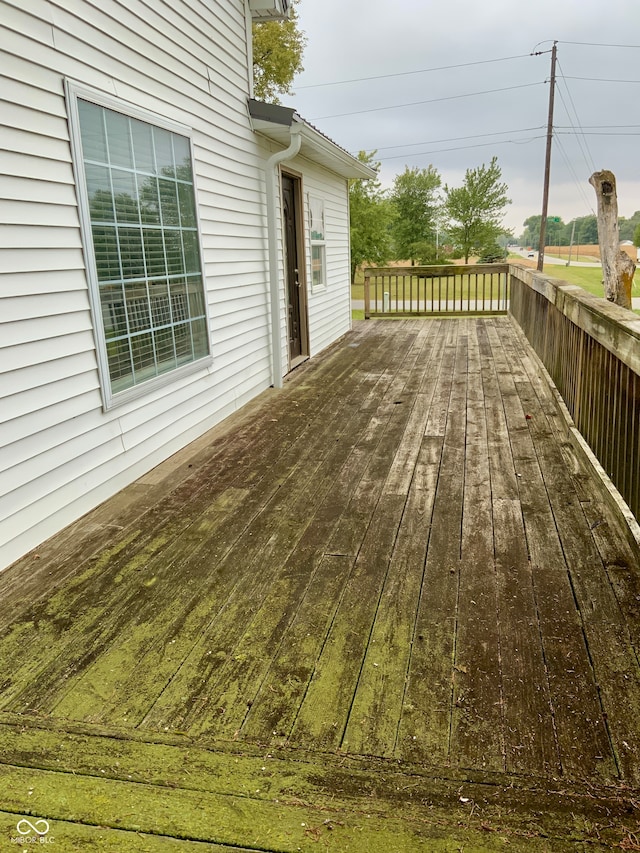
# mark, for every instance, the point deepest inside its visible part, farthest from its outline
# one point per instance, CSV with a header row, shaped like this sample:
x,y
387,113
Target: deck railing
x,y
591,349
427,290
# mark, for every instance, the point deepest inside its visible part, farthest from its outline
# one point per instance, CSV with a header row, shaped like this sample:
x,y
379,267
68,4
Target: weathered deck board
x,y
581,734
529,734
178,564
154,795
477,726
379,698
397,558
425,726
377,705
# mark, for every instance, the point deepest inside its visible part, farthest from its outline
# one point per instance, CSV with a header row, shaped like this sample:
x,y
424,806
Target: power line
x,y
463,147
577,181
407,73
470,64
599,126
588,157
430,101
565,132
601,79
599,44
574,128
457,138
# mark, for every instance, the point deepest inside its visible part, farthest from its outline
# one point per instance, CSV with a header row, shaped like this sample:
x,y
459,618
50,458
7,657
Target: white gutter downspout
x,y
272,237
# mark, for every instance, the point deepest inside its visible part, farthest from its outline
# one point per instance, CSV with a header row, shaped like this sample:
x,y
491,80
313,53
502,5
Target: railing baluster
x,y
431,290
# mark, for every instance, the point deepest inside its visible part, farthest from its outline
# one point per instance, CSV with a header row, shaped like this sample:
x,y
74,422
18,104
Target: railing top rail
x,y
616,328
436,271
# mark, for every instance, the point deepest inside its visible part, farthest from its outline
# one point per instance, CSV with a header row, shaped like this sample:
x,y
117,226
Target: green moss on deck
x,y
376,617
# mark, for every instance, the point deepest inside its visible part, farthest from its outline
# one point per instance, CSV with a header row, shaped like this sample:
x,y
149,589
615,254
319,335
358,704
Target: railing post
x,y
367,296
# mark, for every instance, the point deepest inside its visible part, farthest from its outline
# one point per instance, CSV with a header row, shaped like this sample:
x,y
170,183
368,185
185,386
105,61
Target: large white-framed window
x,y
137,199
318,244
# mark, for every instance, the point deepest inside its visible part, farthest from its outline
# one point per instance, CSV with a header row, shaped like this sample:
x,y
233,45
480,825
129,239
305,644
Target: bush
x,y
492,254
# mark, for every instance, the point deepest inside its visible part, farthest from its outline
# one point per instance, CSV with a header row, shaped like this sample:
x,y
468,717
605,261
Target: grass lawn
x,y
589,278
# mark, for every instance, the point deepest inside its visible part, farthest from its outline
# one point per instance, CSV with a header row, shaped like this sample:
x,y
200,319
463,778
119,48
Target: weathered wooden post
x,y
617,267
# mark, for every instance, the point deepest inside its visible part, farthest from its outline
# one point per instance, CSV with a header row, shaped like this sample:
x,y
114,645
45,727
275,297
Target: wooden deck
x,y
382,610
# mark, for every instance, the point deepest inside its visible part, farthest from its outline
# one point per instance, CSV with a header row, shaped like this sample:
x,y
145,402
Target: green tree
x,y
556,232
636,235
370,219
416,207
628,226
531,234
476,209
586,232
277,56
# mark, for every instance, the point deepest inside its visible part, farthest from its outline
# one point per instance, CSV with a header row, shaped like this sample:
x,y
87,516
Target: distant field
x,y
589,278
586,251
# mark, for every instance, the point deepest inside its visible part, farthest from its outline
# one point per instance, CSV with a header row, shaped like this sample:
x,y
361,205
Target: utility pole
x,y
547,163
573,231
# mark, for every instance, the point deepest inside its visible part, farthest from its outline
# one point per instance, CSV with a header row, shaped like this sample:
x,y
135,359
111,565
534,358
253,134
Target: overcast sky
x,y
392,39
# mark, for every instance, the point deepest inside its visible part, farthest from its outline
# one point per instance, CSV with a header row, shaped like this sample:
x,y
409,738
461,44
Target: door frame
x,y
301,265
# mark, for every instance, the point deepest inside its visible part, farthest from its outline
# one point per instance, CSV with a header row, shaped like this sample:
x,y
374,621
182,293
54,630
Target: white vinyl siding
x,y
330,304
184,61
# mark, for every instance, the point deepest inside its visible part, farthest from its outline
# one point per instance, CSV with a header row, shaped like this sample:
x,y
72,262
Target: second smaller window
x,y
318,250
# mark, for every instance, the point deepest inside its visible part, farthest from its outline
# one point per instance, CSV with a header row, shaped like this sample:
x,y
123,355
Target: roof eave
x,y
269,10
275,122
